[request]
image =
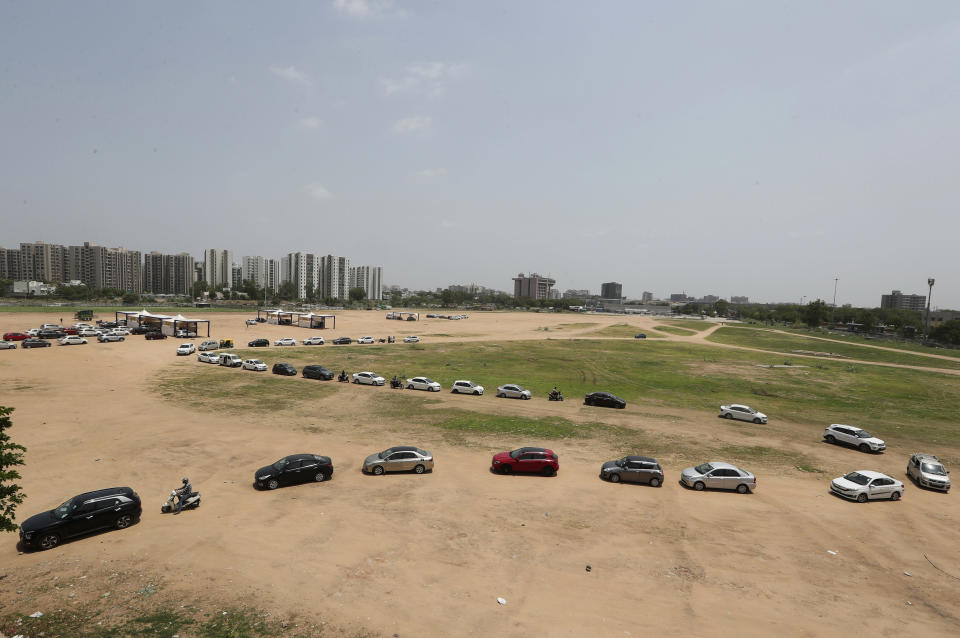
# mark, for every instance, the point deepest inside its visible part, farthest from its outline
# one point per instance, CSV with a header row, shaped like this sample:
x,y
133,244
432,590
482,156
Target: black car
x,y
633,469
138,330
604,400
317,372
117,507
339,341
284,369
35,342
259,343
154,334
108,324
51,334
296,468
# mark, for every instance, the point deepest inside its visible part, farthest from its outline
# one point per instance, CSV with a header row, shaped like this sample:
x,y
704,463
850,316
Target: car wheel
x,y
757,421
586,402
728,416
524,397
435,390
654,482
409,386
477,393
124,522
742,489
830,438
699,486
506,469
861,498
454,391
273,484
614,478
49,541
895,496
863,447
419,469
548,471
319,477
620,407
121,339
357,381
501,395
377,470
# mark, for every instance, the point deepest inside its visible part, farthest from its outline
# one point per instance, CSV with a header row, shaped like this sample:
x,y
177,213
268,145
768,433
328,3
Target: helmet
x,y
185,480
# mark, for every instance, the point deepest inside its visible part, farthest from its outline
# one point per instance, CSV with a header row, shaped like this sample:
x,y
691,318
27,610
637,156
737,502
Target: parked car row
x,y
319,341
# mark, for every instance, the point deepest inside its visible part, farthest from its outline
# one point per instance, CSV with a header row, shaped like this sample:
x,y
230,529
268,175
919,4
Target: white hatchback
x,y
186,348
462,386
71,340
411,339
867,485
286,341
254,364
423,383
365,340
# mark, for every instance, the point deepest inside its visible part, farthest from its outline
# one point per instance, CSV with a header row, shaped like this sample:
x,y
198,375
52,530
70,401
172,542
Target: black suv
x,y
339,341
284,369
117,507
138,330
296,468
317,372
259,343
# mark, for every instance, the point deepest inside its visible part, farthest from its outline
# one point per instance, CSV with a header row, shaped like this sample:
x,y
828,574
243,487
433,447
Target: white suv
x,y
849,435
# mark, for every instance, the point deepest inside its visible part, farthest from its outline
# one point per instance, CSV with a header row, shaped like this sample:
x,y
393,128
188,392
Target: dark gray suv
x,y
116,507
633,469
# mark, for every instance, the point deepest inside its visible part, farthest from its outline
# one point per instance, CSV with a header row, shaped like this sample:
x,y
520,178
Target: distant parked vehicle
x,y
368,378
529,460
293,469
15,336
339,341
741,412
284,369
254,364
116,507
317,372
854,437
89,332
513,391
411,339
186,348
139,330
208,357
604,400
230,360
258,343
35,342
928,471
209,344
109,337
633,469
423,383
51,334
462,386
718,475
365,340
71,340
400,458
185,334
154,334
8,345
286,341
313,341
251,322
123,332
640,336
867,485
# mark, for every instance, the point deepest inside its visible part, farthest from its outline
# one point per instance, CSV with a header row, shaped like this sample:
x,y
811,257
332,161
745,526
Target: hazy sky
x,y
732,148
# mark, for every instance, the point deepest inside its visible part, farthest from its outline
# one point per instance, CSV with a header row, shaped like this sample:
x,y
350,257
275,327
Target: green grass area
x,y
898,404
896,344
575,326
779,342
680,332
624,330
697,325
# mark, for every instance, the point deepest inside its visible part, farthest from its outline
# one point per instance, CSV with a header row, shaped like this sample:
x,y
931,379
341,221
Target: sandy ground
x,y
429,555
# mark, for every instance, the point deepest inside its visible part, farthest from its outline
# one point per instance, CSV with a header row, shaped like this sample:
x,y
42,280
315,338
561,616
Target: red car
x,y
15,336
531,460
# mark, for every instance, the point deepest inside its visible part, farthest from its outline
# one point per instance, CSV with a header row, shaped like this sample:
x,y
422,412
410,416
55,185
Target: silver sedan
x,y
719,476
423,383
400,458
513,391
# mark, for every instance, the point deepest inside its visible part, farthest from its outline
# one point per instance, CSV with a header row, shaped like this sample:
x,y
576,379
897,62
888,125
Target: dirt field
x,y
429,555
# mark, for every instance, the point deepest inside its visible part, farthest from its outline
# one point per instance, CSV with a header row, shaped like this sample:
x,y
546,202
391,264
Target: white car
x,y
463,386
313,341
186,348
123,332
365,340
411,339
742,412
368,378
423,383
867,485
8,345
513,391
50,326
286,341
82,325
849,435
928,471
89,332
208,357
109,336
209,344
254,364
71,340
33,332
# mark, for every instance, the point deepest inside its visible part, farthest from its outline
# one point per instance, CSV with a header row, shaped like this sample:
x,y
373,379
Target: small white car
x,y
8,345
50,326
313,341
411,339
71,340
80,325
286,341
928,471
423,383
186,348
208,357
109,336
33,332
228,360
254,364
365,340
463,386
742,412
123,332
867,485
368,378
849,435
89,332
513,391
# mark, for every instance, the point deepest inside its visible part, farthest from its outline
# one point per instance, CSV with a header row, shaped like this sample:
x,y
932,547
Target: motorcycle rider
x,y
183,493
555,393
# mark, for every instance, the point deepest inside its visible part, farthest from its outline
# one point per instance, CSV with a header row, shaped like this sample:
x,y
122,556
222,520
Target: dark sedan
x,y
34,342
317,372
51,334
259,343
604,400
154,334
117,507
339,341
285,369
293,469
633,469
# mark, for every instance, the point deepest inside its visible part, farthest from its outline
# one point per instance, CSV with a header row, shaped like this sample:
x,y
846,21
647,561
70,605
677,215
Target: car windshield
x,y
62,511
257,362
933,468
703,469
863,434
385,453
622,463
428,380
515,454
857,478
279,465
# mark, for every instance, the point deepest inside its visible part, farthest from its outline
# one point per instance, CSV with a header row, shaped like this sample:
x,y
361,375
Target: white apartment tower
x,y
335,277
262,271
303,271
370,279
217,267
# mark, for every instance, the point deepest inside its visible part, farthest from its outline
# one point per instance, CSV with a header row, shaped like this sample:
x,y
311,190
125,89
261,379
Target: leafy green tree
x,y
814,313
200,287
721,306
947,332
11,455
357,294
130,298
288,291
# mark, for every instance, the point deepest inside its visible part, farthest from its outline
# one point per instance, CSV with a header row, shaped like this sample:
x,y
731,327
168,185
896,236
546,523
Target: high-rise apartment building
x,y
898,300
262,271
10,263
646,297
532,286
236,277
611,290
369,278
40,261
335,277
168,274
102,267
303,271
218,267
739,299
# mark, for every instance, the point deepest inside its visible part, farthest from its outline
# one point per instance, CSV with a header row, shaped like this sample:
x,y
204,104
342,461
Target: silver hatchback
x,y
928,471
400,458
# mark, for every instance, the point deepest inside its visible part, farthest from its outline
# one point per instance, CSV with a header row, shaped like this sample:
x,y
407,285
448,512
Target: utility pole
x,y
833,312
926,332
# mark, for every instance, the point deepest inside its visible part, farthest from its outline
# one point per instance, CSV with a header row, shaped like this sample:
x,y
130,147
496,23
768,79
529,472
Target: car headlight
x,y
27,535
263,478
495,462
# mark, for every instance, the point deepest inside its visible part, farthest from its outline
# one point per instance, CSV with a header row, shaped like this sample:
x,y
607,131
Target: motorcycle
x,y
555,396
343,377
191,501
396,384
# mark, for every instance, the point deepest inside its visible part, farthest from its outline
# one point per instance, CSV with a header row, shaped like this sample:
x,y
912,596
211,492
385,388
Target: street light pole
x,y
926,332
833,312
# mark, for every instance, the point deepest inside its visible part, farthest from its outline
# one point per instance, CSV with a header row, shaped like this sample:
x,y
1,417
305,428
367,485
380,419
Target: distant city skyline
x,y
755,149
